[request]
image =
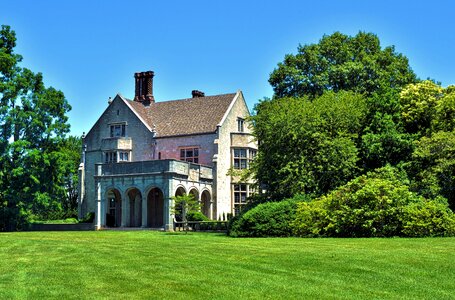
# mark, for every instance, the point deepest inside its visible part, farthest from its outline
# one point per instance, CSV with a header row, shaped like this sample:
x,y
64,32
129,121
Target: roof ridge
x,y
183,99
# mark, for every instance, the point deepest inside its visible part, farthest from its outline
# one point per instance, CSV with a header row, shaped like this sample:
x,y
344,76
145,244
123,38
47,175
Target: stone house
x,y
140,153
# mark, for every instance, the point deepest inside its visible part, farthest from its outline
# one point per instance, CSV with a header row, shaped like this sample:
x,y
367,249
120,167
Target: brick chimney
x,y
144,87
197,94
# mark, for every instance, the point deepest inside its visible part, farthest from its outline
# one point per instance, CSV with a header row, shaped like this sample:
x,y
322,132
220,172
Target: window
x,y
123,156
190,155
114,156
110,157
243,157
118,130
240,124
240,196
240,159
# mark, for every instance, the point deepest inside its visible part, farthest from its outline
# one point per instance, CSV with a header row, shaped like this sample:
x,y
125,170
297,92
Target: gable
x,y
117,112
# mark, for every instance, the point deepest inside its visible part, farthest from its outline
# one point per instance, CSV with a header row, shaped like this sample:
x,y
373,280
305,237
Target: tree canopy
x,y
307,146
33,124
341,62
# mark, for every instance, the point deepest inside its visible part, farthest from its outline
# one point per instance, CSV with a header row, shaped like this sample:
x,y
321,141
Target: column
x,y
125,211
98,205
144,211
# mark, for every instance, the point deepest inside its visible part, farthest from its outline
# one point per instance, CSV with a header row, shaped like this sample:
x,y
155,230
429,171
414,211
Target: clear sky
x,y
91,49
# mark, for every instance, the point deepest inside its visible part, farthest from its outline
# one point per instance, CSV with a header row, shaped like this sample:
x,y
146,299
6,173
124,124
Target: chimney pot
x,y
197,94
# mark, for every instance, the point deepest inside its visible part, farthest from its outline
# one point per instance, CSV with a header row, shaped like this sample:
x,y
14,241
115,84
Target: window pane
x,y
242,152
196,152
236,152
189,153
196,160
243,198
236,163
243,164
182,153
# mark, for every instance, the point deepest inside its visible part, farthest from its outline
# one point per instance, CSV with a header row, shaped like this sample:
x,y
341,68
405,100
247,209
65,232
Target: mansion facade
x,y
140,153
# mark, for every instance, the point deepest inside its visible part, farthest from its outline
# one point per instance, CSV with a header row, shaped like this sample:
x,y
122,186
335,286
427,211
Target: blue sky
x,y
91,49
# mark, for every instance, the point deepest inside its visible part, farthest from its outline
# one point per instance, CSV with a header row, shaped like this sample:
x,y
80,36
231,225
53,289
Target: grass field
x,y
159,265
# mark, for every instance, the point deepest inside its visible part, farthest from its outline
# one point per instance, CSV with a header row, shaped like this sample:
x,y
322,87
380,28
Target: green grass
x,y
158,265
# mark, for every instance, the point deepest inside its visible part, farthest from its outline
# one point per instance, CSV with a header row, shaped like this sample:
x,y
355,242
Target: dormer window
x,y
240,124
118,130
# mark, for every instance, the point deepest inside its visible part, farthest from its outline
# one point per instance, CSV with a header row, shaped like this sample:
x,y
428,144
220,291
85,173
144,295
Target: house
x,y
141,152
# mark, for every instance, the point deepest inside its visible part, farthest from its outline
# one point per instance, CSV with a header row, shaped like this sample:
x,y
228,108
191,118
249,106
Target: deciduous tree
x,y
33,122
340,62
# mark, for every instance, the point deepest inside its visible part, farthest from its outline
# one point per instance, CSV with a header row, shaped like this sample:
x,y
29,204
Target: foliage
x,y
340,62
384,139
378,204
184,207
427,107
196,216
33,123
307,147
428,218
266,219
89,218
432,167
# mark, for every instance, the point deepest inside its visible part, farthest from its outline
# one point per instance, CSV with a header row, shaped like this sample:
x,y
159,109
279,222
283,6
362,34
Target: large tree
x,y
341,62
33,123
307,146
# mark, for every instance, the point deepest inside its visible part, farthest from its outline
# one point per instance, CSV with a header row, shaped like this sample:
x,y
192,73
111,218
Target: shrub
x,y
378,204
428,218
266,219
196,216
89,218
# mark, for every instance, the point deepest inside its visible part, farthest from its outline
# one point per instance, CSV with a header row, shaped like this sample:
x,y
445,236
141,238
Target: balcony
x,y
193,172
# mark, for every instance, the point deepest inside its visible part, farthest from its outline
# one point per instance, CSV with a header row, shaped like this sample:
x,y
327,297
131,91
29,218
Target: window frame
x,y
117,130
240,124
185,151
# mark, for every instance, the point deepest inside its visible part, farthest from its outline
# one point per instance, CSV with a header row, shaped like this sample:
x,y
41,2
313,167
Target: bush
x,y
378,204
428,218
266,219
196,216
89,218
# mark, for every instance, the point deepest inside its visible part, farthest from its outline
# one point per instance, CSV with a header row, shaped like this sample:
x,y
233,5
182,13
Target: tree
x,y
427,107
384,138
33,122
184,205
432,167
307,147
340,62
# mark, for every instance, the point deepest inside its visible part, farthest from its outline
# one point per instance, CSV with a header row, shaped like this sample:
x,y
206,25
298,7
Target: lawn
x,y
159,265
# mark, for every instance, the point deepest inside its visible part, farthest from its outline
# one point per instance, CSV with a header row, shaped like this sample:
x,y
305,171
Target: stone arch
x,y
133,198
194,191
180,191
206,203
113,207
155,208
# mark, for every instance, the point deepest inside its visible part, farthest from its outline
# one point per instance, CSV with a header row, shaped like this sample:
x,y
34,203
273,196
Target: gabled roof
x,y
185,116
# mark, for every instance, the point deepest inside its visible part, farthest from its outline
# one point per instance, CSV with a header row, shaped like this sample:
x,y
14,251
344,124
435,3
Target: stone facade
x,y
138,156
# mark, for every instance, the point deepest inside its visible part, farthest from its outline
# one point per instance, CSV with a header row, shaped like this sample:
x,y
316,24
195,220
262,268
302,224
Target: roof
x,y
184,116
